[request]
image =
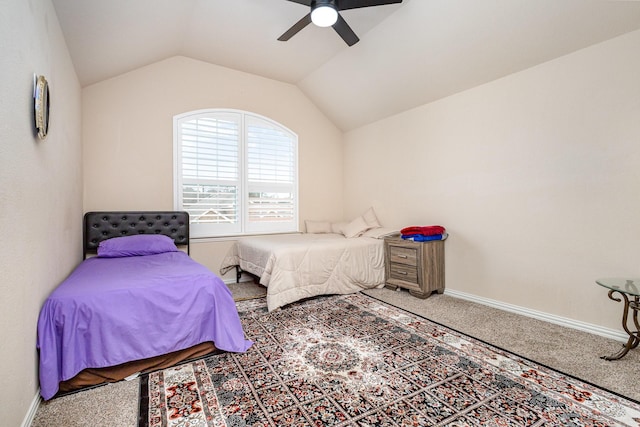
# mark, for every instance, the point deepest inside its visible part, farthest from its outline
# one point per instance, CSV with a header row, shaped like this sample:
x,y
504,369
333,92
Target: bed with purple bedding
x,y
140,297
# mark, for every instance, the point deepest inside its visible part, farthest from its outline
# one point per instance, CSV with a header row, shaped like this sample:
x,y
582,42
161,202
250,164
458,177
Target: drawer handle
x,y
402,256
404,273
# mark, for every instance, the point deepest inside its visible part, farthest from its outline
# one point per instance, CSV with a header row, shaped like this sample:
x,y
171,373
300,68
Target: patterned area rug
x,y
355,361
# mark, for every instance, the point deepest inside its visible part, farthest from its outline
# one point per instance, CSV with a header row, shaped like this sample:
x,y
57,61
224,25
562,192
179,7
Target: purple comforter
x,y
115,310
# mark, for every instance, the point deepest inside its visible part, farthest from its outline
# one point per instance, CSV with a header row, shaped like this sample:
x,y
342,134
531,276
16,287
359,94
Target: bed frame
x,y
99,226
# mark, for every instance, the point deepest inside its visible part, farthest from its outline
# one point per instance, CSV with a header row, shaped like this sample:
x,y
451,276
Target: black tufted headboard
x,y
99,226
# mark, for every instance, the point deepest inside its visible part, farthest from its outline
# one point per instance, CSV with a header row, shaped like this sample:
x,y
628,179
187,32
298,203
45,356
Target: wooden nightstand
x,y
416,266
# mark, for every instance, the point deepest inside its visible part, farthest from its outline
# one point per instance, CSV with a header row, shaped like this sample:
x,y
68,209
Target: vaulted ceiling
x,y
409,54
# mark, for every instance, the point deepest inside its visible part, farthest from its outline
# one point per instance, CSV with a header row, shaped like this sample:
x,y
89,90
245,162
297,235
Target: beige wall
x,y
128,137
40,190
535,175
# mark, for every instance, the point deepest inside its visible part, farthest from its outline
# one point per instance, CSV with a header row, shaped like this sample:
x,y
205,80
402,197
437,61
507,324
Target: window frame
x,y
244,226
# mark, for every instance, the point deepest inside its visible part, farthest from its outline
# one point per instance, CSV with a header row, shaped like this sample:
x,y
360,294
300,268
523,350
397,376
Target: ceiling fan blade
x,y
355,4
345,31
306,20
304,2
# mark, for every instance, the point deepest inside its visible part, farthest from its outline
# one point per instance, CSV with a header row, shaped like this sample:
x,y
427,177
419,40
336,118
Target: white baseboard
x,y
540,315
551,318
31,413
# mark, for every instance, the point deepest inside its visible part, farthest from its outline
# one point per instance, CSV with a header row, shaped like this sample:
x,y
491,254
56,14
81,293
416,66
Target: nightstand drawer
x,y
403,255
406,273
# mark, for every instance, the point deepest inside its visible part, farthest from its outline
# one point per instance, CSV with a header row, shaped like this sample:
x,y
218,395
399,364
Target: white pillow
x,y
337,227
371,219
318,226
356,227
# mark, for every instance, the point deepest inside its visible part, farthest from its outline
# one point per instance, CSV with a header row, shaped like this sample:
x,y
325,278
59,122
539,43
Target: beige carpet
x,y
567,350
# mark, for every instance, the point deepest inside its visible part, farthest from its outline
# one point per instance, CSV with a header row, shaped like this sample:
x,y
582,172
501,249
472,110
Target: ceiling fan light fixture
x,y
324,15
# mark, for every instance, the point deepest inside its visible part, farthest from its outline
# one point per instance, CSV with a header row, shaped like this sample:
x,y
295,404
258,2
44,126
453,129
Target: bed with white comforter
x,y
298,266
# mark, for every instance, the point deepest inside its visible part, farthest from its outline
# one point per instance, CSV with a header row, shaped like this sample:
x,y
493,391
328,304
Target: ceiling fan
x,y
326,13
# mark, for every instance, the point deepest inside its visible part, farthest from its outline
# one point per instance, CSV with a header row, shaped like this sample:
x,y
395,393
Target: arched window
x,y
235,173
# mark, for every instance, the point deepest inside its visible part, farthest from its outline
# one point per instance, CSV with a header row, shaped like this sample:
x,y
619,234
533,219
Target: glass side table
x,y
629,292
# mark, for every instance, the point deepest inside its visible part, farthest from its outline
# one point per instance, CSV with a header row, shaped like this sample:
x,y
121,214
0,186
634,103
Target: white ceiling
x,y
409,54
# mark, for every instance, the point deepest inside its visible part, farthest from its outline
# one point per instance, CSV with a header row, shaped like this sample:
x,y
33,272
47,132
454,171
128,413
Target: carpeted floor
x,y
567,350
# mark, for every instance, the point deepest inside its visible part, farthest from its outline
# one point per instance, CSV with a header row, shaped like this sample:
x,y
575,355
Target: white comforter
x,y
298,266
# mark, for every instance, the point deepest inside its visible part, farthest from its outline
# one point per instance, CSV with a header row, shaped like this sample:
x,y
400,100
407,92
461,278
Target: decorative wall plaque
x,y
41,105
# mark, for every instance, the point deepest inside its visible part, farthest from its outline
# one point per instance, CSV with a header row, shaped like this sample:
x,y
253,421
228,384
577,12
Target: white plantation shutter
x,y
271,175
210,155
235,173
